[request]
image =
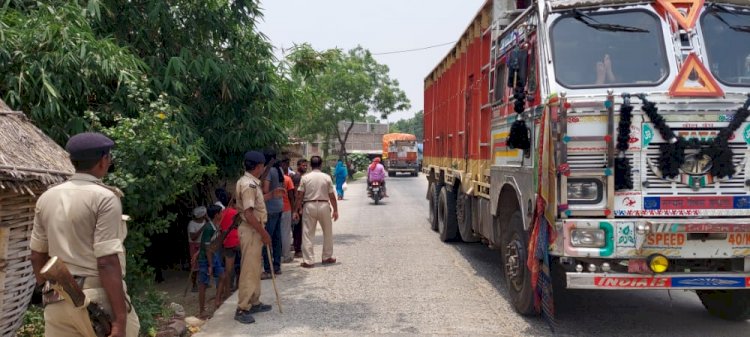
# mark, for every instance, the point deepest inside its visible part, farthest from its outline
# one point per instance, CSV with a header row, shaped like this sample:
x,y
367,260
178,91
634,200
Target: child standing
x,y
209,261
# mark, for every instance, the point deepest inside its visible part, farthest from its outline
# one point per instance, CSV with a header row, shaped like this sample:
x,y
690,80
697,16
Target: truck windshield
x,y
727,39
608,49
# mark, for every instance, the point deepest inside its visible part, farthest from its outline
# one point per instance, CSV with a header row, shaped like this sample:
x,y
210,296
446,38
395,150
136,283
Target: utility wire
x,y
415,49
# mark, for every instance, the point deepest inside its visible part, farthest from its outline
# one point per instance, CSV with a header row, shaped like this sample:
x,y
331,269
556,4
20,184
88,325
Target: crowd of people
x,y
80,223
270,219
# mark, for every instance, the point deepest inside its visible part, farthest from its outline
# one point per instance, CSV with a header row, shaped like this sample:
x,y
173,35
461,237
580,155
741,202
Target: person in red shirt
x,y
231,249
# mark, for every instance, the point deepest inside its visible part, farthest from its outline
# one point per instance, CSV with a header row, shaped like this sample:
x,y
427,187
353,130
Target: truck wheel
x,y
463,215
433,192
514,250
733,305
447,226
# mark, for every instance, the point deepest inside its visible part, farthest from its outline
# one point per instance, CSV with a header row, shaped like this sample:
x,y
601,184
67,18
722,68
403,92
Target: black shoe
x,y
244,317
260,308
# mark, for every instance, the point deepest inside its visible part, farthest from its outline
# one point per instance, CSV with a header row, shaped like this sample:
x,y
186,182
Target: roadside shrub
x,y
155,164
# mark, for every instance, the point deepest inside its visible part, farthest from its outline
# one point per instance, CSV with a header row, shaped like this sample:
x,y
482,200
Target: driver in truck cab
x,y
376,172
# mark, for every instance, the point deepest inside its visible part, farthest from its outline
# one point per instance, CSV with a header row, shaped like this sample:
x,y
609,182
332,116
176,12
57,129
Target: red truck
x,y
598,145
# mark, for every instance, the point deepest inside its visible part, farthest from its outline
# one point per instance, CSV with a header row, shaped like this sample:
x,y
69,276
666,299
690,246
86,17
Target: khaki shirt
x,y
79,221
250,195
316,185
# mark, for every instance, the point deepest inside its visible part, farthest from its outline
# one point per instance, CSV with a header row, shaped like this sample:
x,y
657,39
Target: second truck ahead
x,y
400,154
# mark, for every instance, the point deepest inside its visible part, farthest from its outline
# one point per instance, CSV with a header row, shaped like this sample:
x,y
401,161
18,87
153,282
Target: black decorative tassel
x,y
623,174
623,171
519,133
519,136
722,160
672,157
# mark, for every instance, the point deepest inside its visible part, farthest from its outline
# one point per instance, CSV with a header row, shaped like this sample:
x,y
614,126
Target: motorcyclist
x,y
376,172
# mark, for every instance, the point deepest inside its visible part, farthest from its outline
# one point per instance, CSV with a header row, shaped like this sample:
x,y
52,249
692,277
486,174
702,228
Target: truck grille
x,y
732,186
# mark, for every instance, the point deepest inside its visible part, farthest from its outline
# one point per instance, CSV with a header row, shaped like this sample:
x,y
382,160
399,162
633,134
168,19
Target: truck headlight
x,y
588,238
585,191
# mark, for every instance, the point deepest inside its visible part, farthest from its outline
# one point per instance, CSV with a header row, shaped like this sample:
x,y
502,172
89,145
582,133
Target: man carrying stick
x,y
253,235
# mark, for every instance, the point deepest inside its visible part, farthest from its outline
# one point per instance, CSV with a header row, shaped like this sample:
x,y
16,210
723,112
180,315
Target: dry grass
x,y
29,159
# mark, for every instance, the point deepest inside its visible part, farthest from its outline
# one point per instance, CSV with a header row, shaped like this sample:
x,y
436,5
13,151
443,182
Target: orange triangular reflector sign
x,y
694,80
693,8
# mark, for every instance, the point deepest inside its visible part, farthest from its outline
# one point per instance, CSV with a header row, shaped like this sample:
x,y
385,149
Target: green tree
x,y
209,58
55,67
414,125
345,87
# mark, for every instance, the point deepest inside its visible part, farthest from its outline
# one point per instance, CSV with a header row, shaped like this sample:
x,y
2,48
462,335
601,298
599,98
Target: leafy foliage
x,y
344,87
33,323
151,310
359,161
208,56
414,125
55,67
154,167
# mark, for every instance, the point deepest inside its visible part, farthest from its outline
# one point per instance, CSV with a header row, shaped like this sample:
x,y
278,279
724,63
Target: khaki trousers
x,y
62,319
312,214
249,287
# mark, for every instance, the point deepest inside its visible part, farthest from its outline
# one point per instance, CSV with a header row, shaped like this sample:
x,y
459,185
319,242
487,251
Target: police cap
x,y
255,156
88,146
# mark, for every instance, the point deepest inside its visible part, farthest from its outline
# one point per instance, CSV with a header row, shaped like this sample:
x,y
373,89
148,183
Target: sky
x,y
378,25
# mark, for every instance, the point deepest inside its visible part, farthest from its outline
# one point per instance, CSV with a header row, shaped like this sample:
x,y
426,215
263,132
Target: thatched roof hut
x,y
29,163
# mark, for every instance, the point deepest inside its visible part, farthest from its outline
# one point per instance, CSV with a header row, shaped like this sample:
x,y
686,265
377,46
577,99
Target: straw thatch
x,y
29,160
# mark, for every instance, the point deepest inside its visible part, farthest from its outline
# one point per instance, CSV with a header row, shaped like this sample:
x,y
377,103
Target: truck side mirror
x,y
517,68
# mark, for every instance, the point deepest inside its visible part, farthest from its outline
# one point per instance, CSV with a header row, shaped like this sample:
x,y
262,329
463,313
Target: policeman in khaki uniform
x,y
316,193
253,235
81,222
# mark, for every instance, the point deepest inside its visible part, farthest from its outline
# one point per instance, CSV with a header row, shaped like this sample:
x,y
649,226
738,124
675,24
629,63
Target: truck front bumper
x,y
672,237
683,281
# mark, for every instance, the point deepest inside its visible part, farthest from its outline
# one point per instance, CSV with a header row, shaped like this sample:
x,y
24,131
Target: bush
x,y
33,323
150,307
155,164
359,161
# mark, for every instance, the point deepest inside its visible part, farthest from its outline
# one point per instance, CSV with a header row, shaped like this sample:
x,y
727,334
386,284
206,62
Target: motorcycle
x,y
375,191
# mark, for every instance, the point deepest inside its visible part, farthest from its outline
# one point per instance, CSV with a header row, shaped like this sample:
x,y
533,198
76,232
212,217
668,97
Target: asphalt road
x,y
395,277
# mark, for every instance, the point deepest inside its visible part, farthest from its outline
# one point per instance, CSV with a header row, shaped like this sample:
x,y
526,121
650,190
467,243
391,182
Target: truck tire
x,y
447,224
433,193
733,305
463,215
514,250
